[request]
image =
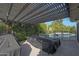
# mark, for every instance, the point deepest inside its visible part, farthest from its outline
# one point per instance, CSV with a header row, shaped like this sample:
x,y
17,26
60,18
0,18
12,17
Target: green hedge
x,y
20,36
2,27
26,30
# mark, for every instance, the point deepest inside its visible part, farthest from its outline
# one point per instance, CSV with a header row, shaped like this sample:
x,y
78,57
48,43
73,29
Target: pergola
x,y
34,13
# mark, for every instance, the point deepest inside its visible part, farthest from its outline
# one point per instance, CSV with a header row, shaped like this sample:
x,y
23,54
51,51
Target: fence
x,y
64,36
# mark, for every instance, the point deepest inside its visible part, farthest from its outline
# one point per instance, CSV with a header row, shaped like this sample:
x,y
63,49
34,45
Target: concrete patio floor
x,y
67,48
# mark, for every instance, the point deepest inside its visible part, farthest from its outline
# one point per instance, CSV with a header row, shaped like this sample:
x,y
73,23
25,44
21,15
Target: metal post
x,y
78,31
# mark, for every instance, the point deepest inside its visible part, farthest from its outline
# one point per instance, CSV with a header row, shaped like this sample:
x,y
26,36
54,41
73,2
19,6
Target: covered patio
x,y
34,13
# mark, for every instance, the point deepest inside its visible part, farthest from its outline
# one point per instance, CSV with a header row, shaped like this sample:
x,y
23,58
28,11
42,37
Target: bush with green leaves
x,y
20,36
2,28
22,32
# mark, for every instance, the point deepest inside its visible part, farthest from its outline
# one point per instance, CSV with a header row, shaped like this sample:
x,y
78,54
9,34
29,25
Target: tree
x,y
72,29
43,28
57,26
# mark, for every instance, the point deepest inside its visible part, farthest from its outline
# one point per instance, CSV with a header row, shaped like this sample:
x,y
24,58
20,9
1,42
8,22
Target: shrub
x,y
20,36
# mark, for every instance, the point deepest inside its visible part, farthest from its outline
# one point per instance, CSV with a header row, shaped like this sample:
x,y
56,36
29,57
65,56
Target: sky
x,y
66,21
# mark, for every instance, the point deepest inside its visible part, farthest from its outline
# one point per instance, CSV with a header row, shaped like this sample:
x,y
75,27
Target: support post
x,y
78,31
